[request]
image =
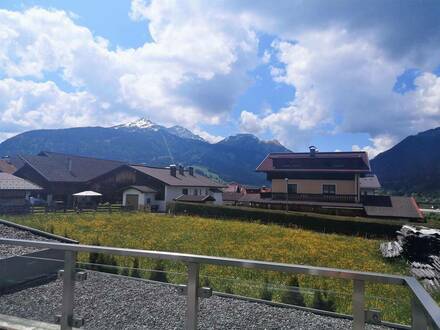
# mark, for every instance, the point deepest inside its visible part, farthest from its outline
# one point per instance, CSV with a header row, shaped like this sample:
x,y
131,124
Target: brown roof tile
x,y
355,162
186,180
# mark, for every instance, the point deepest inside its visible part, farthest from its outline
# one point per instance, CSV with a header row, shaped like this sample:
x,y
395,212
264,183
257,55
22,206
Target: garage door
x,y
132,201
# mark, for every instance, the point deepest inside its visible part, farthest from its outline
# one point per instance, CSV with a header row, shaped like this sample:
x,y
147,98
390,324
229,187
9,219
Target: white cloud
x,y
192,72
28,104
340,63
344,83
379,143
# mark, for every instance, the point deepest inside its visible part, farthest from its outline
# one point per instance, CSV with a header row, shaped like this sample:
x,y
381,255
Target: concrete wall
x,y
304,186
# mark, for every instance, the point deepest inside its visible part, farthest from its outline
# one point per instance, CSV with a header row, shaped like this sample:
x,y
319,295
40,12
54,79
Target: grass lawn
x,y
241,240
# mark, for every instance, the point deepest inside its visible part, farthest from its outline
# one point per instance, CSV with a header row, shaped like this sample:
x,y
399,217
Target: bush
x,y
266,292
324,300
125,271
206,282
135,270
159,273
311,221
293,294
228,289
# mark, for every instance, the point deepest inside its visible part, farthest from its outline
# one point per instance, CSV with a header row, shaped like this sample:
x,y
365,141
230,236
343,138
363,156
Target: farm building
x,y
168,183
15,192
62,175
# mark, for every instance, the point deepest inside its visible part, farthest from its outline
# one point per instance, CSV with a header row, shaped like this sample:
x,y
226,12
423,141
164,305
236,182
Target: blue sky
x,y
300,72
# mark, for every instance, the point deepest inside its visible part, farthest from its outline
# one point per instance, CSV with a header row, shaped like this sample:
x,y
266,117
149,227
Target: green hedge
x,y
312,221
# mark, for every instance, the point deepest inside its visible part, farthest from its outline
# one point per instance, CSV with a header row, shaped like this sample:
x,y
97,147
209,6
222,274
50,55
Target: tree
x,y
293,295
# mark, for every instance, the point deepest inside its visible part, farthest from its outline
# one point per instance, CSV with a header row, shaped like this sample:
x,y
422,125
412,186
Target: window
x,y
292,188
329,189
185,191
196,192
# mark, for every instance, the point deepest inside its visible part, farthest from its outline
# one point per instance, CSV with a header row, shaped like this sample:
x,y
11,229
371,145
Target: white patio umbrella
x,y
87,193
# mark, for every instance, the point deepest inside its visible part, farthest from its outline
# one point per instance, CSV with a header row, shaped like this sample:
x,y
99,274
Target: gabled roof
x,y
54,167
12,182
401,207
337,162
186,180
143,189
195,199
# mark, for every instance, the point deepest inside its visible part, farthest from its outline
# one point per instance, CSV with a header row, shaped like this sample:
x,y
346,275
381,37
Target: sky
x,y
340,75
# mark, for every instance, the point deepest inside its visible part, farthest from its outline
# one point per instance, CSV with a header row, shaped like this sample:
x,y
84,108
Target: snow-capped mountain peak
x,y
147,124
141,123
184,133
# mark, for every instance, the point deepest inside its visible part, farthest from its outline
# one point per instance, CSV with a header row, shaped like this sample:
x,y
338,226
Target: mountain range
x,y
142,141
413,165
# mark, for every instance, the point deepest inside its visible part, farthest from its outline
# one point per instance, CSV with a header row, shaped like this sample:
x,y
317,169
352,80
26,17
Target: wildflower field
x,y
239,240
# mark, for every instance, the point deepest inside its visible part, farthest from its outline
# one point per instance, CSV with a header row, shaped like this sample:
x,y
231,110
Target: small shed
x,y
139,197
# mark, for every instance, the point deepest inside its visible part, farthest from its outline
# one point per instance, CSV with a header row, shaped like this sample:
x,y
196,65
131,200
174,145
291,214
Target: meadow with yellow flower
x,y
238,239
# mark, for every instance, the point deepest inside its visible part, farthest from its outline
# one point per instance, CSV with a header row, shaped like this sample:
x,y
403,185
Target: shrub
x,y
266,292
105,260
158,273
135,270
313,221
125,271
293,294
324,300
206,282
228,289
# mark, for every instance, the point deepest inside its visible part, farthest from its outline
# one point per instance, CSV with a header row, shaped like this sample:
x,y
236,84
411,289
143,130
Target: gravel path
x,y
114,302
7,251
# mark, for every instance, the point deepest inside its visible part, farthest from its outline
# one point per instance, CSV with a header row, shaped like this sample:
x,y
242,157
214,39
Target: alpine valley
x,y
142,141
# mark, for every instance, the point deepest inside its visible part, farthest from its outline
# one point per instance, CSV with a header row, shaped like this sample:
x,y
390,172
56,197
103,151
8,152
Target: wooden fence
x,y
103,208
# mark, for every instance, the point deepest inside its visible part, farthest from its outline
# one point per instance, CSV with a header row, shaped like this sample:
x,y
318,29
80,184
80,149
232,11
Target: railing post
x,y
418,318
358,304
68,290
192,302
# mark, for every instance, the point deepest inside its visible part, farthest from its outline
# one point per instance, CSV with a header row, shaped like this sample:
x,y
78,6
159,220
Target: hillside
x,y
233,159
413,165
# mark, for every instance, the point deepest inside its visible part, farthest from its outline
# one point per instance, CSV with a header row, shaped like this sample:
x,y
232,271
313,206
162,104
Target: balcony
x,y
314,198
115,301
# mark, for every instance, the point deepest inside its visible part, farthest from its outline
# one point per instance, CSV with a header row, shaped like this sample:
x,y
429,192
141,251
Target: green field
x,y
241,240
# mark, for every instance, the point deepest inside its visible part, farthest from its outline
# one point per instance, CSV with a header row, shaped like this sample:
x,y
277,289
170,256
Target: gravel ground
x,y
114,302
7,251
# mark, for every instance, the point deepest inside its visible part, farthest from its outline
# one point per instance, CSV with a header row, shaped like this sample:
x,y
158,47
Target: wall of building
x,y
142,198
305,186
218,197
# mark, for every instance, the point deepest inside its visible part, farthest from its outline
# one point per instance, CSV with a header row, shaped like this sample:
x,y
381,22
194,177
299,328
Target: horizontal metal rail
x,y
422,300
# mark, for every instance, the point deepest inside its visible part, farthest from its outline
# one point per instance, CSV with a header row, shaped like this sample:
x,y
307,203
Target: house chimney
x,y
173,170
69,164
191,170
313,151
181,170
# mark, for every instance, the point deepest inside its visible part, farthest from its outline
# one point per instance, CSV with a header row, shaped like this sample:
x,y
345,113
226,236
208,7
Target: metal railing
x,y
314,197
425,313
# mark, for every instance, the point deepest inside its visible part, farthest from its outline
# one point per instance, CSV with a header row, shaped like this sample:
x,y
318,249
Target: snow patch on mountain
x,y
147,124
